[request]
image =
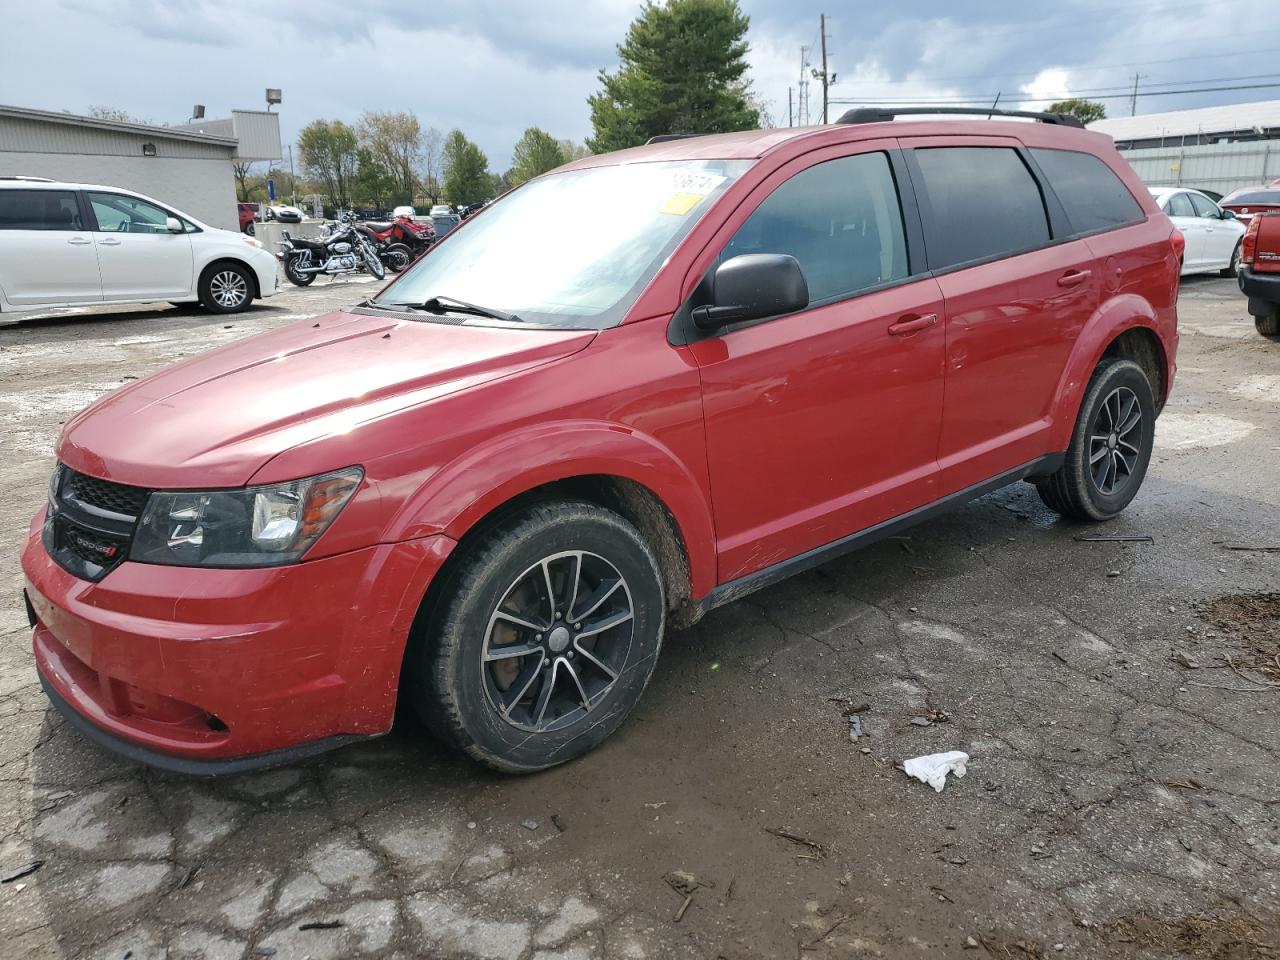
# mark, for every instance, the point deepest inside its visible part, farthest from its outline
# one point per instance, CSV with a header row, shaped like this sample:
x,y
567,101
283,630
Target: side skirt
x,y
736,589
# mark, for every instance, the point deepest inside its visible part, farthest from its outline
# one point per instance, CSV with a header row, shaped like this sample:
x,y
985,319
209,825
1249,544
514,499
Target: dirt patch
x,y
1253,621
1010,948
1235,937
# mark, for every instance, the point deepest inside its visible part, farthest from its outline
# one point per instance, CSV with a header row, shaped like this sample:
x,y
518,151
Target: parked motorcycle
x,y
400,240
344,249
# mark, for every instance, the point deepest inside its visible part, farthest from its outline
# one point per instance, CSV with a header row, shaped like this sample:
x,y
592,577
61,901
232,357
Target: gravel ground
x,y
1121,800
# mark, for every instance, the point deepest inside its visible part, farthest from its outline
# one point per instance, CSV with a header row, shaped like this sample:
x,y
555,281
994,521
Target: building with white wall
x,y
188,167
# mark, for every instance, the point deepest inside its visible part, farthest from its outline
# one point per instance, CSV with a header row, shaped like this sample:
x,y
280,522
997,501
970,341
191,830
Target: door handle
x,y
909,324
109,242
78,242
1074,278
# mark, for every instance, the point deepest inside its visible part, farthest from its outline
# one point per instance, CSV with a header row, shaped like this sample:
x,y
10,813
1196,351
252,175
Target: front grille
x,y
105,495
91,522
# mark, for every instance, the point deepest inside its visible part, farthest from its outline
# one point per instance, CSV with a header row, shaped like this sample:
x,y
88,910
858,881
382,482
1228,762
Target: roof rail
x,y
664,137
18,176
880,114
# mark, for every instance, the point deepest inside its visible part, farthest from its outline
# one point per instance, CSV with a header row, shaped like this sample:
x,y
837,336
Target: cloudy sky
x,y
493,68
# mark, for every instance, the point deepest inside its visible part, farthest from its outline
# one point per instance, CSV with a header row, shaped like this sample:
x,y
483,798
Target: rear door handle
x,y
910,324
78,242
1074,278
109,242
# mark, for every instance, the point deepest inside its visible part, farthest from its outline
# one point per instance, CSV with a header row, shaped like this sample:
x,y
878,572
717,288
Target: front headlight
x,y
263,526
252,242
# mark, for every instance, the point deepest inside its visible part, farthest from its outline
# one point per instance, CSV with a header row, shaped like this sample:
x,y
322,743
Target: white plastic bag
x,y
933,769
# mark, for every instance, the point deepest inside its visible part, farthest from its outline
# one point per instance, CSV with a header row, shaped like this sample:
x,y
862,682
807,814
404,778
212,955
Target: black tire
x,y
1075,490
1230,269
397,257
294,276
372,263
249,228
458,696
226,287
1269,326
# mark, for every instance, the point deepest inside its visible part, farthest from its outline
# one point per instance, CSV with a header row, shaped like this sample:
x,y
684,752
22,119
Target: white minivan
x,y
70,244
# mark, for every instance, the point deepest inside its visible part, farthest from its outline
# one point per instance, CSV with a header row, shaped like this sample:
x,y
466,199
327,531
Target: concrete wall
x,y
205,188
1222,167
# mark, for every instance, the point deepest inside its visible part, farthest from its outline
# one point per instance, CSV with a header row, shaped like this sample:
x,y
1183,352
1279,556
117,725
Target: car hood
x,y
216,419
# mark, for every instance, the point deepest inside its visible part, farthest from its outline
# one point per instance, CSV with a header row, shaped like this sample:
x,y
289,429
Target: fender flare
x,y
461,493
1112,318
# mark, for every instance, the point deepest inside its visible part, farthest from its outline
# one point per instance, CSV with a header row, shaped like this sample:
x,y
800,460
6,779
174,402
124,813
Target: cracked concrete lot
x,y
1123,798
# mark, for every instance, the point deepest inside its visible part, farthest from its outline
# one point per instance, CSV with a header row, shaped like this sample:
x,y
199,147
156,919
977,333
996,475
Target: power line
x,y
939,101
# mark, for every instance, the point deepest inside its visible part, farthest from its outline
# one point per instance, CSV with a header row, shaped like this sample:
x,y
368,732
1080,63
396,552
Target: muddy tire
x,y
1269,326
1110,447
540,639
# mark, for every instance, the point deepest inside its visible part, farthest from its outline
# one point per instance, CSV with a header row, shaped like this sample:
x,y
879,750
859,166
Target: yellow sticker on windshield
x,y
680,204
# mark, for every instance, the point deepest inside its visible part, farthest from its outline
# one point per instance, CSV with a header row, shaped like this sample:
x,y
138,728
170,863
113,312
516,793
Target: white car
x,y
1213,235
283,213
69,244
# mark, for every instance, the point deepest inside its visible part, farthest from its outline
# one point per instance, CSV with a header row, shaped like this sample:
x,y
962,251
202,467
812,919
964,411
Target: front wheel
x,y
226,288
397,257
1110,448
372,263
541,638
1230,269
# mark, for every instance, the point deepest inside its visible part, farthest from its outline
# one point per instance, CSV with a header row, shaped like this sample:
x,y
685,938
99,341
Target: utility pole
x,y
791,117
1133,100
802,95
822,29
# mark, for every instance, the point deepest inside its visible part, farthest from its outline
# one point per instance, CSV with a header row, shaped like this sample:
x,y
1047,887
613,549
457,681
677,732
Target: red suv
x,y
488,490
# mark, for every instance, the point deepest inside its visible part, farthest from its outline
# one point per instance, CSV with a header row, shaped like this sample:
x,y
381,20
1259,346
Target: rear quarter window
x,y
981,203
39,210
1093,197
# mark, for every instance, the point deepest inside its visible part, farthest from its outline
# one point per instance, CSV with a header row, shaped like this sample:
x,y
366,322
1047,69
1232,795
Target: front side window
x,y
1093,197
1180,206
570,249
118,213
1205,207
980,203
39,210
842,222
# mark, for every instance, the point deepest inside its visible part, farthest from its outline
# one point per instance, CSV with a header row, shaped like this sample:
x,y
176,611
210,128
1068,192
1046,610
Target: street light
x,y
273,97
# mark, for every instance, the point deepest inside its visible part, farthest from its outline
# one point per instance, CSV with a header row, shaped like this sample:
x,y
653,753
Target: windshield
x,y
571,249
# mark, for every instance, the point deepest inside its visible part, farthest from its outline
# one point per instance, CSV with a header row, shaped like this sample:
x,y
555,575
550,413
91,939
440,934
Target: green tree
x,y
330,157
375,185
535,153
394,140
1087,110
683,70
573,150
466,171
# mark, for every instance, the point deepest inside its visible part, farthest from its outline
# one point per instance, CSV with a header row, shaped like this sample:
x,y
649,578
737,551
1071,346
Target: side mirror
x,y
752,286
173,224
1228,215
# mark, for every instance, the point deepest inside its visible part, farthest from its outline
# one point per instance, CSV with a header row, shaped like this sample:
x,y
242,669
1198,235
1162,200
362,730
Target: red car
x,y
635,389
1259,275
249,214
1246,202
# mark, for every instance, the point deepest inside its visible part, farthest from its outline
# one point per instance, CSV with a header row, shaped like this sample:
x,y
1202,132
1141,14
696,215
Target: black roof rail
x,y
881,114
664,137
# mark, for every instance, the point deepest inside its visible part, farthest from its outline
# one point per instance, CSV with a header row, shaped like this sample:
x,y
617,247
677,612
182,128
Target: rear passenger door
x,y
1015,300
46,255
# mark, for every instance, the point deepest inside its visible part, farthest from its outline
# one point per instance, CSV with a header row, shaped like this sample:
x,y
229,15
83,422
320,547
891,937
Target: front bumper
x,y
209,671
1262,289
264,265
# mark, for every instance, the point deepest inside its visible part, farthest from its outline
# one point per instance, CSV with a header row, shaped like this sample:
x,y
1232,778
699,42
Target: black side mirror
x,y
752,286
1228,215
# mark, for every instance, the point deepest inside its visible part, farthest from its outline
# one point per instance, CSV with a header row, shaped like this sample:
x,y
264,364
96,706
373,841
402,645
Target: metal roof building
x,y
188,167
1228,124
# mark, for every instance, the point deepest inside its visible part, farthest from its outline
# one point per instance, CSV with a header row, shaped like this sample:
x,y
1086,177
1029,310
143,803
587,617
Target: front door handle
x,y
109,242
910,324
1074,278
78,242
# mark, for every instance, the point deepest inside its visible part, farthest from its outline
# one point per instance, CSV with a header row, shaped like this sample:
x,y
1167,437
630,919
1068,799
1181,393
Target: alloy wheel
x,y
557,641
1115,442
229,288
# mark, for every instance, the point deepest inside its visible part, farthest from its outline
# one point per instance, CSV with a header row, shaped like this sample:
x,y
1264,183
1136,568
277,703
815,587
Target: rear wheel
x,y
249,228
1269,326
1230,269
294,274
226,288
1110,448
397,257
541,638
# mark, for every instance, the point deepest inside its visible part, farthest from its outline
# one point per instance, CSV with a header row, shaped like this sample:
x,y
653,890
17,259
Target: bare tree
x,y
241,168
394,141
431,163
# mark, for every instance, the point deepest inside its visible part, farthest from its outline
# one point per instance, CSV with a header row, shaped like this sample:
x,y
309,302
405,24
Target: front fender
x,y
1112,318
464,491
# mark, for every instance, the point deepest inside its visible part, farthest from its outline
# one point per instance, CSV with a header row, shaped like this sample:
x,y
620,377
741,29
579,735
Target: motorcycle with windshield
x,y
345,249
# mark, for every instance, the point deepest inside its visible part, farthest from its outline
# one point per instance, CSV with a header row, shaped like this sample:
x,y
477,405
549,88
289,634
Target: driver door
x,y
138,256
824,422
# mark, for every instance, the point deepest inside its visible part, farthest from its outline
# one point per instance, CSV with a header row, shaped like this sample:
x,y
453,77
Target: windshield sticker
x,y
679,204
693,182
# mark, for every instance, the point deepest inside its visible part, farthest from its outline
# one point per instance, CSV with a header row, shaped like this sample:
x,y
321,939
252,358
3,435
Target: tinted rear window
x,y
1256,196
982,202
1092,195
39,210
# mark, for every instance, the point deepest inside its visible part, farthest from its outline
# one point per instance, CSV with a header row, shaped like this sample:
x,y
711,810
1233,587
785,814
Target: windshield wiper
x,y
441,304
